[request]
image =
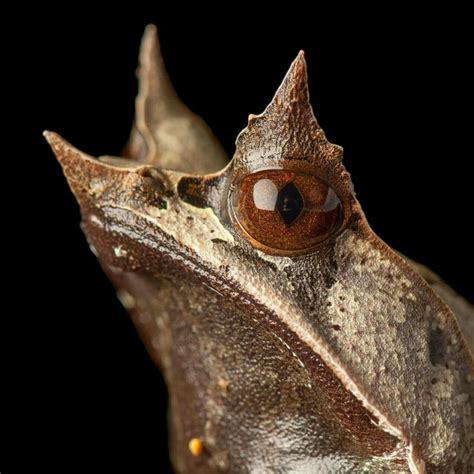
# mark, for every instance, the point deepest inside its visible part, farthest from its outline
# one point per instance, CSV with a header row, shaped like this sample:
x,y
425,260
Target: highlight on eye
x,y
282,211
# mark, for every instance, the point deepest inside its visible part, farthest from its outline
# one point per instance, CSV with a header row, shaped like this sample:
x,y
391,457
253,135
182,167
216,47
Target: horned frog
x,y
291,337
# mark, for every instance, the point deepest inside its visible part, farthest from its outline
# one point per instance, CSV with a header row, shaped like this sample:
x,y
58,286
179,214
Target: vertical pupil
x,y
289,203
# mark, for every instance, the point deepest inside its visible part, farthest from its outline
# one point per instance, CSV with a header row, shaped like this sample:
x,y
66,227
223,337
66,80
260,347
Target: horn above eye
x,y
284,212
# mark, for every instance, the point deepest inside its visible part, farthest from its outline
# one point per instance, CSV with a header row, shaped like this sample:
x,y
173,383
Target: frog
x,y
291,337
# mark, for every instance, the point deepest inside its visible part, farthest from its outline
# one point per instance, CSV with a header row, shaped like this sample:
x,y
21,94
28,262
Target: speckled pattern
x,y
338,359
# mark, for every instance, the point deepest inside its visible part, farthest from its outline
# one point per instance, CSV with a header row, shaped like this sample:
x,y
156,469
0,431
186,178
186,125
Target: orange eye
x,y
284,210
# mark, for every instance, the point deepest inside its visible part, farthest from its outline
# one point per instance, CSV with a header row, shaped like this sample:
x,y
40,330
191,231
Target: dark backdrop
x,y
393,90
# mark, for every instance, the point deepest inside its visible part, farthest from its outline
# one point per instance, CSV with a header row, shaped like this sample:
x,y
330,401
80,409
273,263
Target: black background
x,y
392,87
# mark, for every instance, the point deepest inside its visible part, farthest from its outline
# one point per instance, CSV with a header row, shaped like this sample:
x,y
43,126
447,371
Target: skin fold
x,y
342,357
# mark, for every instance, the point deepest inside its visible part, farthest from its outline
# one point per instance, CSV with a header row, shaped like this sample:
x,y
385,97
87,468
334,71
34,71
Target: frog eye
x,y
281,211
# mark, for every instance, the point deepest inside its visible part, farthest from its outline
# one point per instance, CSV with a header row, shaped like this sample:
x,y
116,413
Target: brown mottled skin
x,y
340,358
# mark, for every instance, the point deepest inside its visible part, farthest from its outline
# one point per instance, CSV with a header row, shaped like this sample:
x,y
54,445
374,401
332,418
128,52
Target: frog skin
x,y
341,356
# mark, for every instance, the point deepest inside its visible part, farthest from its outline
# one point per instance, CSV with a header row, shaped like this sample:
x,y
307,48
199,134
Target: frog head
x,y
261,275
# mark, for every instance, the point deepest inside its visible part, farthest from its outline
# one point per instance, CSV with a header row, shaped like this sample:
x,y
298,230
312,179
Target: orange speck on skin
x,y
223,384
196,446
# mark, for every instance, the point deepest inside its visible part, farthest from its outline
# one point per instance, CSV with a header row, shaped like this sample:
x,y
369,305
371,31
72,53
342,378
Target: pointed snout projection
x,y
98,181
86,174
